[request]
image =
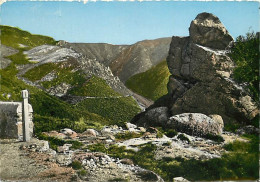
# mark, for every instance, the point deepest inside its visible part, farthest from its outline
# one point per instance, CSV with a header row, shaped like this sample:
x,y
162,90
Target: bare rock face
x,y
207,30
200,80
195,124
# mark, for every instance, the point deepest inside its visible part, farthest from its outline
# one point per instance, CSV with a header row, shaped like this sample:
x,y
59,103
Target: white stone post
x,y
25,111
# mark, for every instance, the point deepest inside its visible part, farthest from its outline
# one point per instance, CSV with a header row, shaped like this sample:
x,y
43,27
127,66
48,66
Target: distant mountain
x,y
124,60
140,57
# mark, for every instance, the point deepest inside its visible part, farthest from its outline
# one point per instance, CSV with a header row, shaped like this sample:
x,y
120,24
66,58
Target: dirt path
x,y
22,165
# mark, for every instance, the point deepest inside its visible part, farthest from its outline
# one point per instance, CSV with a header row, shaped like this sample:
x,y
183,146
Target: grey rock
x,y
207,30
64,159
154,117
90,132
248,130
59,90
130,125
195,124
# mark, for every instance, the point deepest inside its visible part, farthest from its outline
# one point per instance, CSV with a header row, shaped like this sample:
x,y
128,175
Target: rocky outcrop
x,y
201,77
6,51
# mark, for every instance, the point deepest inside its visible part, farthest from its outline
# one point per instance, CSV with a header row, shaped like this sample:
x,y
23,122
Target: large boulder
x,y
195,124
207,30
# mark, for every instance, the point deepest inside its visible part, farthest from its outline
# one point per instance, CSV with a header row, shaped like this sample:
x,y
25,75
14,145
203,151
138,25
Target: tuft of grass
x,y
127,135
159,134
82,172
183,137
151,84
171,133
76,165
216,138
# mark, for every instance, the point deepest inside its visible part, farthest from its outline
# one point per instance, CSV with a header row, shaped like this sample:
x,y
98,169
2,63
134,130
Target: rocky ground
x,y
35,161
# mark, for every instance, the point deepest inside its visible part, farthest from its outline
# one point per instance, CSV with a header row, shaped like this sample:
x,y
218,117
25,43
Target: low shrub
x,y
171,133
216,138
76,165
183,138
127,135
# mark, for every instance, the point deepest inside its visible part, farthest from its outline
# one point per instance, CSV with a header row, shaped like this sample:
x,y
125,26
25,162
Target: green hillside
x,y
151,84
50,112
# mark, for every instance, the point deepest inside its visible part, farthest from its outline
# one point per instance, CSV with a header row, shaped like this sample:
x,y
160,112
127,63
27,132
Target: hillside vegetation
x,y
245,54
50,112
151,84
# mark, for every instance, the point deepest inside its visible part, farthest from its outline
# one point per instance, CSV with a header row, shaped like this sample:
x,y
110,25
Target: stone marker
x,y
25,113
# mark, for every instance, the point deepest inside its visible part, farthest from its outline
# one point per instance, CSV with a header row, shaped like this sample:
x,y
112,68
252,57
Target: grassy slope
x,y
151,84
50,112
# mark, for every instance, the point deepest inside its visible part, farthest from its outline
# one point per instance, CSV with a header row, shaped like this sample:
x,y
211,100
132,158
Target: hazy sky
x,y
123,22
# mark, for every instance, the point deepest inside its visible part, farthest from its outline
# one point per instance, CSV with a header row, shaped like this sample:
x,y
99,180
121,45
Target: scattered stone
x,y
59,90
63,149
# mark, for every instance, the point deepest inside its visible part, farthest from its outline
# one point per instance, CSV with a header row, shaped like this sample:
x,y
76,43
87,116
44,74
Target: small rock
x,y
126,161
69,133
90,132
106,130
111,137
180,179
142,129
130,125
109,141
